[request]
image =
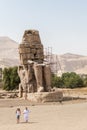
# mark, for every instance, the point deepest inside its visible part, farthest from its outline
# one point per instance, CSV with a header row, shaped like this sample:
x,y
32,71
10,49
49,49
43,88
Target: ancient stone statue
x,y
35,75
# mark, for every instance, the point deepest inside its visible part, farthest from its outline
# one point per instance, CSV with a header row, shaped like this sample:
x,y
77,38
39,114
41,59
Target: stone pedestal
x,y
45,97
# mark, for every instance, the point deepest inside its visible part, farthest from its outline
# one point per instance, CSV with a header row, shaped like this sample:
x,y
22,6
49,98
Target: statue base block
x,y
45,96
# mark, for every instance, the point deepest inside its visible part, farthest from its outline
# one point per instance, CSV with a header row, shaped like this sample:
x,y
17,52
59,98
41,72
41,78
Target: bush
x,y
56,81
72,80
10,78
67,80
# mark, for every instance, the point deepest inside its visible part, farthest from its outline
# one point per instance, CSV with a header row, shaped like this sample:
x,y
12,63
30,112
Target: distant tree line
x,y
69,80
72,80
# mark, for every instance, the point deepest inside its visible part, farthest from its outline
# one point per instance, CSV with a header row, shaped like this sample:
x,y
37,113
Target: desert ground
x,y
68,115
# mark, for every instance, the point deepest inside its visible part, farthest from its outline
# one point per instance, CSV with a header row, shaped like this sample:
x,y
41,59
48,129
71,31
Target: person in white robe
x,y
26,114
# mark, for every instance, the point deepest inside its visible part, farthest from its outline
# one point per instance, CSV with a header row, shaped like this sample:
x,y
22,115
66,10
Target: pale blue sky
x,y
62,24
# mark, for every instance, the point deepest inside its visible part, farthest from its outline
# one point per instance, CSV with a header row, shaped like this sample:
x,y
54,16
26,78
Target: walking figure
x,y
26,114
18,114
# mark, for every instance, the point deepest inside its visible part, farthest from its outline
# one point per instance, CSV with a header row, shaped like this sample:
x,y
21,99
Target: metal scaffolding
x,y
52,60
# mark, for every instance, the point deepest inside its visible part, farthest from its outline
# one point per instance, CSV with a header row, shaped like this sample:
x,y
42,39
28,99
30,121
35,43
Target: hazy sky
x,y
62,24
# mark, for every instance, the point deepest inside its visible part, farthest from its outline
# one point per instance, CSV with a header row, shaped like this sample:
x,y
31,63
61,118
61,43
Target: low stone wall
x,y
45,96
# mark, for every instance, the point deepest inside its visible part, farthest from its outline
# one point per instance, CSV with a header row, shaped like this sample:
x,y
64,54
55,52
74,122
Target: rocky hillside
x,y
60,63
69,63
8,52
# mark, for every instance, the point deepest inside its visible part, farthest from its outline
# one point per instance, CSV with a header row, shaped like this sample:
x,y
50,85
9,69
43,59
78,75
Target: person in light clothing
x,y
18,114
26,114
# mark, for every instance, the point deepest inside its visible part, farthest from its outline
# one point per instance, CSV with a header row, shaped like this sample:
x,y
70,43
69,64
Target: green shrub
x,y
68,80
10,78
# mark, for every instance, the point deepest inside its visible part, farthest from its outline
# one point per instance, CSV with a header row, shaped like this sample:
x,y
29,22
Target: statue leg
x,y
25,91
39,77
20,90
47,77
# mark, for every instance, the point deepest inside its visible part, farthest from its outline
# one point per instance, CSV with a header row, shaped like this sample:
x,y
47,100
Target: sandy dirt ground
x,y
48,116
